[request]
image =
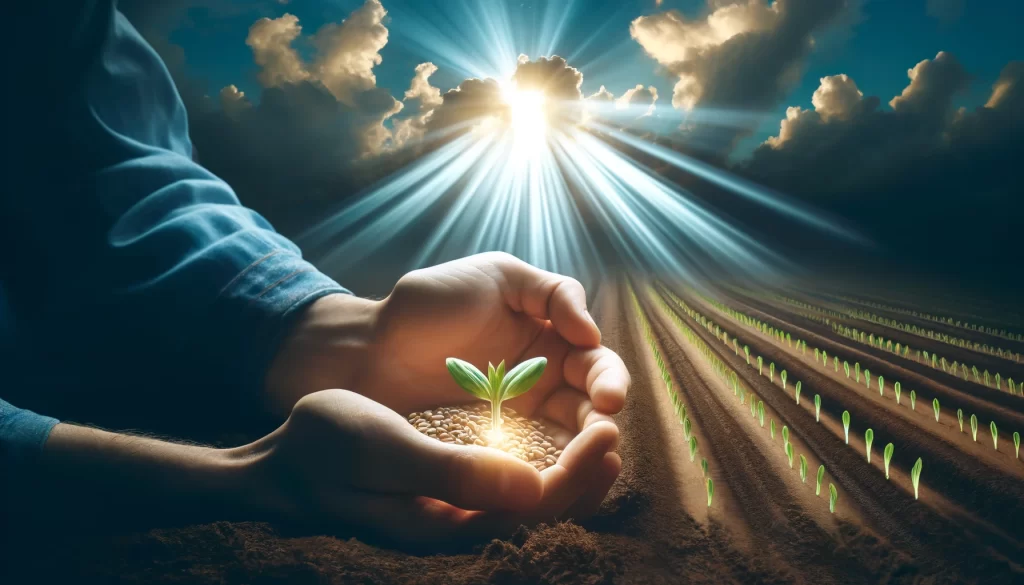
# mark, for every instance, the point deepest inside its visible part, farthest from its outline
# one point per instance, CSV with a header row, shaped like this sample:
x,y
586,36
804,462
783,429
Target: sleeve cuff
x,y
270,293
22,434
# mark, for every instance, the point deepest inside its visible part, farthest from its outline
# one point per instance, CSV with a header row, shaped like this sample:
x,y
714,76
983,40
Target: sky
x,y
875,45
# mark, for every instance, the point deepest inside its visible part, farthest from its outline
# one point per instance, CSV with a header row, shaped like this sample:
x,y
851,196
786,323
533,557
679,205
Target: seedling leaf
x,y
522,378
887,456
469,378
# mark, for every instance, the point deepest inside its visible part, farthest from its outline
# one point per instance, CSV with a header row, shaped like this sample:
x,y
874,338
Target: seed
x,y
550,450
537,454
549,460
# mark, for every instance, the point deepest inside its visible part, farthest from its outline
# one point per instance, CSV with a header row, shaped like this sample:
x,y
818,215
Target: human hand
x,y
344,460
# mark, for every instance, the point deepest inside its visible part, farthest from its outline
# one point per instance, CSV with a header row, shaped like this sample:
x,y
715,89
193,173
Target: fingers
x,y
590,502
572,409
549,296
569,479
601,373
471,477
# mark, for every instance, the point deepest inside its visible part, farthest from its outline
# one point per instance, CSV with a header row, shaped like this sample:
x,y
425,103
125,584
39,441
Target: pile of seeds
x,y
471,425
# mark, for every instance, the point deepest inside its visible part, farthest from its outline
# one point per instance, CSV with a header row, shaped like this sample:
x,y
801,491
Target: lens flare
x,y
527,117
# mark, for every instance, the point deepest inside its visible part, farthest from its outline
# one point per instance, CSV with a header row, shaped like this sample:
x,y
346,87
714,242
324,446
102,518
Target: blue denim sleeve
x,y
22,434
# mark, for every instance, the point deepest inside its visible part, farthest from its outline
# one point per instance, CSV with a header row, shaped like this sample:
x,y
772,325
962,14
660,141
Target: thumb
x,y
549,296
471,477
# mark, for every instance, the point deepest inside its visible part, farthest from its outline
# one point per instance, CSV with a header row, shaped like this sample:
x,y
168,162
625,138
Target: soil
x,y
765,525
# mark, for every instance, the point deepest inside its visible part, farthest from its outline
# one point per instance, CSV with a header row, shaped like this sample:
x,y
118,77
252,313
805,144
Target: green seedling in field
x,y
833,497
897,389
824,358
995,435
913,400
771,428
789,454
746,351
935,408
974,428
960,418
821,476
785,435
846,425
869,437
881,386
497,386
783,377
1016,444
835,363
803,469
753,408
760,366
846,369
687,428
704,466
797,391
760,413
771,372
711,491
887,457
817,354
915,475
856,368
817,408
867,378
693,448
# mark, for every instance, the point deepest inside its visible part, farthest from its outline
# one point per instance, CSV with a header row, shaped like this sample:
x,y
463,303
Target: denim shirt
x,y
129,270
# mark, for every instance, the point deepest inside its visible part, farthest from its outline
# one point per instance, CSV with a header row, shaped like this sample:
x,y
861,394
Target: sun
x,y
527,117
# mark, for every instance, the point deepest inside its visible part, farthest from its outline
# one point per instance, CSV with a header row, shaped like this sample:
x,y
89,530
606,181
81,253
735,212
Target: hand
x,y
342,459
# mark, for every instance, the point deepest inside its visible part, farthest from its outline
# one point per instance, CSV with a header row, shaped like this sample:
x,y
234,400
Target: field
x,y
849,438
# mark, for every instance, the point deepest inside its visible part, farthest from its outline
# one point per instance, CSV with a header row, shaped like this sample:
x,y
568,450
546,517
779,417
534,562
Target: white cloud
x,y
271,43
233,101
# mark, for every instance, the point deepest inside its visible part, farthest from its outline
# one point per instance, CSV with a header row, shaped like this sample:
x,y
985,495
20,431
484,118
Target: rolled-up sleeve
x,y
22,435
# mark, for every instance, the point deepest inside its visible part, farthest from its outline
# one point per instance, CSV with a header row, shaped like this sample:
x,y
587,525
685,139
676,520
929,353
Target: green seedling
x,y
824,358
913,400
771,372
1016,444
869,437
771,428
783,377
867,379
817,408
785,435
881,386
821,476
995,435
803,469
960,418
835,363
846,425
887,457
935,408
915,475
704,466
974,428
760,413
753,408
693,448
856,368
846,369
760,366
799,386
746,351
497,386
897,390
687,428
711,491
789,454
833,497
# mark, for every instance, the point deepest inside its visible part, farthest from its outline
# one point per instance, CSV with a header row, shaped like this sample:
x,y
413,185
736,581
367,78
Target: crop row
x,y
934,360
939,319
757,410
677,402
821,357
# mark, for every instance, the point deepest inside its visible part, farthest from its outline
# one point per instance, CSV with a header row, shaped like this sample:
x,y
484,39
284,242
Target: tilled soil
x,y
762,528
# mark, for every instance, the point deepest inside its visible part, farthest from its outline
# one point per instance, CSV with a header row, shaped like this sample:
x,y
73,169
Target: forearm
x,y
88,474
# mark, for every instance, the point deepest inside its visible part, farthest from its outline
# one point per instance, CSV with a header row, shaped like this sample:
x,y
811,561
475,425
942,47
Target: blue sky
x,y
889,37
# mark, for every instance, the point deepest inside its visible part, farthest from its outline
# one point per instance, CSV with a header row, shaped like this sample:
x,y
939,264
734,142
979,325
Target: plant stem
x,y
496,416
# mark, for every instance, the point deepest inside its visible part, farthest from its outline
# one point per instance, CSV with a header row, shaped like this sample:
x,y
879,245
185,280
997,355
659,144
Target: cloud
x,y
420,88
271,44
639,98
601,95
233,101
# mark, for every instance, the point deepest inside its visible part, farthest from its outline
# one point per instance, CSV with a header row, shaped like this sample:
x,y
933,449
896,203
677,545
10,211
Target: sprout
x,y
771,372
867,378
821,476
803,469
995,435
833,497
497,386
760,413
915,475
711,491
881,386
897,389
817,354
974,427
846,368
797,391
785,435
846,425
869,437
960,418
704,466
771,428
783,377
856,368
746,351
913,400
753,408
935,408
789,454
1016,444
824,358
687,428
693,448
760,366
817,408
887,456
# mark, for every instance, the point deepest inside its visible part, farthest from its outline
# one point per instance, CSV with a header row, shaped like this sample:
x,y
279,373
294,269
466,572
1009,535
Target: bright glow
x,y
527,117
494,437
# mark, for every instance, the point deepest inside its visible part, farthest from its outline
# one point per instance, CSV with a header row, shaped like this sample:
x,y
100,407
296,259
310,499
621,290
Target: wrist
x,y
329,346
